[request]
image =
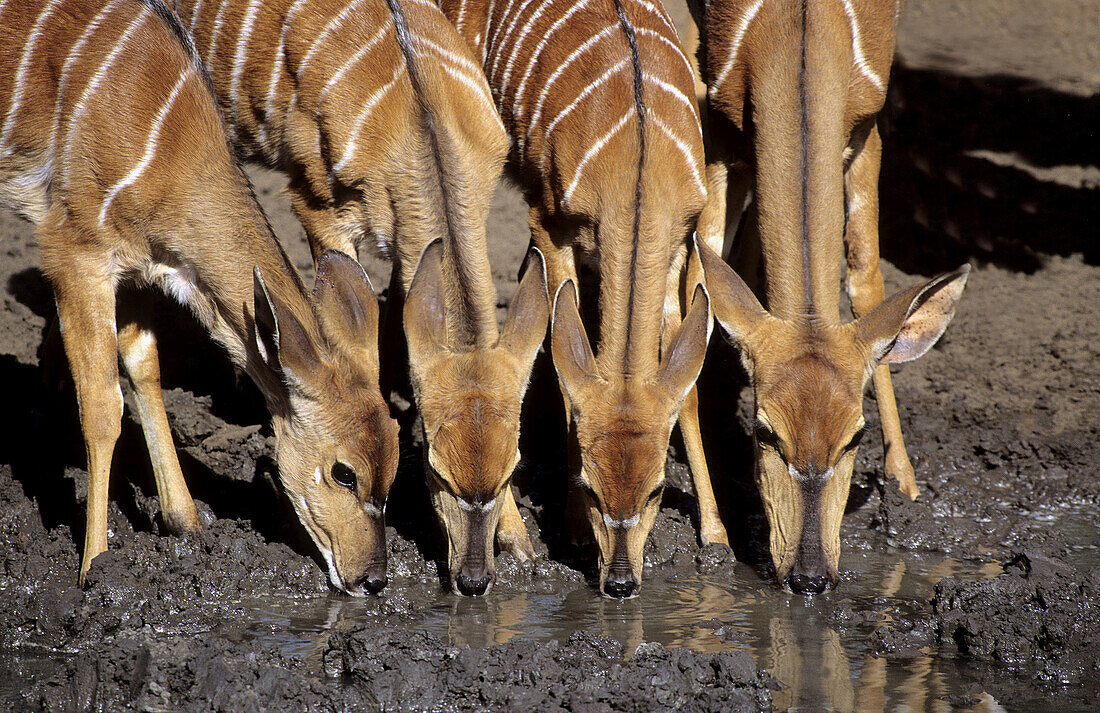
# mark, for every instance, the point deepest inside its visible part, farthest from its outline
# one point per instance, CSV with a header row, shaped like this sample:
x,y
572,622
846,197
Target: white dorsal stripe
x,y
692,161
74,55
592,86
21,73
239,57
475,87
97,79
471,75
485,31
364,114
593,150
461,16
352,61
219,18
517,44
857,49
150,146
739,31
580,49
456,58
534,58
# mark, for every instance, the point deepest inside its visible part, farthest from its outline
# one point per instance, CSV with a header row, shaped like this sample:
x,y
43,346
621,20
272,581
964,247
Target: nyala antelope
x,y
793,89
598,98
386,127
111,144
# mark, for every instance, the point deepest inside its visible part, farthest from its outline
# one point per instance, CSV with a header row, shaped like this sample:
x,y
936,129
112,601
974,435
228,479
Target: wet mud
x,y
982,595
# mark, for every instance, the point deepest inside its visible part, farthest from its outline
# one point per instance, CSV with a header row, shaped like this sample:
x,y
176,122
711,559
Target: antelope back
x,y
379,114
112,145
597,96
386,120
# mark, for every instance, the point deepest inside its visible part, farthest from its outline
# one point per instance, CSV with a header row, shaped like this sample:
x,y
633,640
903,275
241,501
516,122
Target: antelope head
x,y
809,380
622,427
336,443
470,400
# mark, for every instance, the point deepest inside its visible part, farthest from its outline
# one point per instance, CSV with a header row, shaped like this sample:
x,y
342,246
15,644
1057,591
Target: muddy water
x,y
821,650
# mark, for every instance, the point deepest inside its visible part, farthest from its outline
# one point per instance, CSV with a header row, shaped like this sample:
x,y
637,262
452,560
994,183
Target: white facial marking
x,y
480,507
317,475
621,524
372,511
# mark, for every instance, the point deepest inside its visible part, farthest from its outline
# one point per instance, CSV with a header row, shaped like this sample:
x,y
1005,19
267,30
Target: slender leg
x,y
138,347
86,313
711,529
511,532
866,290
559,268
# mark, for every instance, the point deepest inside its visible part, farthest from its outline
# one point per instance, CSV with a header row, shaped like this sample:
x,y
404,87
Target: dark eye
x,y
343,475
656,493
765,435
856,438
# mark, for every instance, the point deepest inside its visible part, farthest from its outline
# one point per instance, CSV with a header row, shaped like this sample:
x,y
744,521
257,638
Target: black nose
x,y
472,586
620,586
803,584
372,582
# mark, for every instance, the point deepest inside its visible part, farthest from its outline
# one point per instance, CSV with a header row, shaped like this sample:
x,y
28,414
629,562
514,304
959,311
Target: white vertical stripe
x,y
677,50
661,15
74,55
598,81
346,67
329,27
518,109
195,16
150,146
857,48
368,107
276,64
682,98
545,92
21,73
593,150
504,31
219,18
97,79
485,33
739,31
461,17
239,57
692,161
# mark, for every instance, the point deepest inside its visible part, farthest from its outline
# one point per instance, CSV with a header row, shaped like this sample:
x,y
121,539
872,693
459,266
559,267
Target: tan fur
x,y
394,152
570,108
798,85
117,153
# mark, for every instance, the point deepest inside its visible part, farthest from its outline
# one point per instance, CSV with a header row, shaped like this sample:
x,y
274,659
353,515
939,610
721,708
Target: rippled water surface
x,y
822,658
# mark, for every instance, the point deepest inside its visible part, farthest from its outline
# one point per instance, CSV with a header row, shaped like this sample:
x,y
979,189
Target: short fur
x,y
598,98
386,128
112,145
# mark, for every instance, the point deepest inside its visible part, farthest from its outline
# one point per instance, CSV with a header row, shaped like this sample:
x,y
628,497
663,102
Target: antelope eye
x,y
656,493
343,475
856,438
765,435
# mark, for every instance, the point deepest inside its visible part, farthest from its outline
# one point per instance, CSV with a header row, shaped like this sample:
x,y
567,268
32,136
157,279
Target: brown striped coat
x,y
111,144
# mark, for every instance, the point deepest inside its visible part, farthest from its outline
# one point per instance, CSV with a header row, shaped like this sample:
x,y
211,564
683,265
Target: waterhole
x,y
820,649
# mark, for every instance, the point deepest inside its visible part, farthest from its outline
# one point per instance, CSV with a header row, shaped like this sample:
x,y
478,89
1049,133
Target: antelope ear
x,y
684,359
425,315
347,306
573,358
735,306
281,339
525,326
908,323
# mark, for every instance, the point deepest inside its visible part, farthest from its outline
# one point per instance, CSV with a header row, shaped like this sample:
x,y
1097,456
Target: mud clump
x,y
398,670
1041,616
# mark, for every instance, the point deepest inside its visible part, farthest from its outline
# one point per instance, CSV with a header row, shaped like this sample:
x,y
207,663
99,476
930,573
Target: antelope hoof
x,y
713,534
517,544
907,481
